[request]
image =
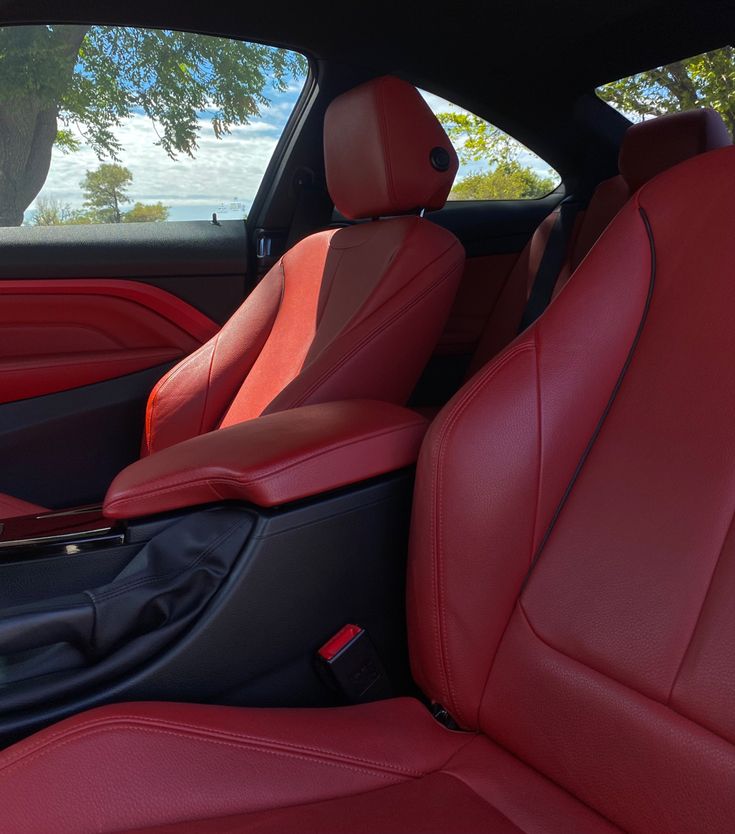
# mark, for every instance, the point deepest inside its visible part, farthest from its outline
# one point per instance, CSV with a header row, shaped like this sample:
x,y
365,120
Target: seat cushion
x,y
382,767
14,507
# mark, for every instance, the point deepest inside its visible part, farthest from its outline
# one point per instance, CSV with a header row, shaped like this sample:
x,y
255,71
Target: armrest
x,y
273,459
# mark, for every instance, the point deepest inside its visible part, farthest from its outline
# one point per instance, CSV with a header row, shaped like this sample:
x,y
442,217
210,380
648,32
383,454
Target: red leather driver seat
x,y
570,595
348,313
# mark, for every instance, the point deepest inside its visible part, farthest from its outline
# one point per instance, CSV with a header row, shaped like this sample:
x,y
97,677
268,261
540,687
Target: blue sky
x,y
224,175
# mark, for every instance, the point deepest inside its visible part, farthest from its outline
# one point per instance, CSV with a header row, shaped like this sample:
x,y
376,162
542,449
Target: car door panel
x,y
91,317
200,262
63,449
67,333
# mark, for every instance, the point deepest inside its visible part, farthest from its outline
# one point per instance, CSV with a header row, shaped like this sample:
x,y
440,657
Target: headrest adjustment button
x,y
440,159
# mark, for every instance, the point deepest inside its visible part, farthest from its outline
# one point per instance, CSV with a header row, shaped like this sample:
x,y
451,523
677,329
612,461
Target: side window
x,y
706,80
493,165
122,125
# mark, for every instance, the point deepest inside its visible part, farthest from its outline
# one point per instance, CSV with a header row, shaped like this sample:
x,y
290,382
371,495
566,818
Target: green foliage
x,y
141,213
66,141
105,191
506,181
172,77
477,140
504,177
97,76
35,62
703,81
73,85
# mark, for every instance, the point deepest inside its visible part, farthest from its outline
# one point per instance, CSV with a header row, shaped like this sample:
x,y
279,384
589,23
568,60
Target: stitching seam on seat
x,y
594,670
271,473
701,611
302,753
608,406
465,399
369,337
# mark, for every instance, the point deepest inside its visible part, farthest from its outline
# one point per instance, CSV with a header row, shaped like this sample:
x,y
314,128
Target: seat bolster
x,y
134,765
180,769
11,507
193,396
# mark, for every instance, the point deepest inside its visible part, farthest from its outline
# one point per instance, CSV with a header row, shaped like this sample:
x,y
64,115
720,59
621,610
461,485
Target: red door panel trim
x,y
56,335
172,308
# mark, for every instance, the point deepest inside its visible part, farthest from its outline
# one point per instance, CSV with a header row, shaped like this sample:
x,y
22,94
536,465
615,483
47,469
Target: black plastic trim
x,y
305,571
62,450
203,264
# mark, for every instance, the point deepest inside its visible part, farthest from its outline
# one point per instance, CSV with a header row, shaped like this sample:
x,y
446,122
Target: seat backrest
x,y
573,549
648,148
347,313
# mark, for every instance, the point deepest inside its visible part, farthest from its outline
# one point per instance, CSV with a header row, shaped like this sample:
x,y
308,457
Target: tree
x,y
72,85
140,213
52,212
504,176
506,181
703,81
104,192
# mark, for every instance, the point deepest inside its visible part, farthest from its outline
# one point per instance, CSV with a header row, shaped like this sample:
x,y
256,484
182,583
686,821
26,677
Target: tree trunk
x,y
28,128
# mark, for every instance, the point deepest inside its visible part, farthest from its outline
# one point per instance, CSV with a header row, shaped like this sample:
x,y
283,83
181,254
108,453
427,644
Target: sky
x,y
224,176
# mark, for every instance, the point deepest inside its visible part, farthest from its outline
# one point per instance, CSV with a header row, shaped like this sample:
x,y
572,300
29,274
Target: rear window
x,y
493,165
104,124
706,80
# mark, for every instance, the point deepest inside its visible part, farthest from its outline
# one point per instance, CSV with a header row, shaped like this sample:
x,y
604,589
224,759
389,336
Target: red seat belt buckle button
x,y
340,641
355,666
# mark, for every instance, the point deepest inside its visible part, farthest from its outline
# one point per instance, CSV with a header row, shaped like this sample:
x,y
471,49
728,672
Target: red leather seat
x,y
570,595
648,148
346,313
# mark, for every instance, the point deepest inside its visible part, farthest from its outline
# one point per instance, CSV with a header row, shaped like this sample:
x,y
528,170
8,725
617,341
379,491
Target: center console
x,y
215,570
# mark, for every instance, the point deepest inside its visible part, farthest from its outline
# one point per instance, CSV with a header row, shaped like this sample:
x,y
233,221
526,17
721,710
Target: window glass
x,y
706,80
116,125
493,165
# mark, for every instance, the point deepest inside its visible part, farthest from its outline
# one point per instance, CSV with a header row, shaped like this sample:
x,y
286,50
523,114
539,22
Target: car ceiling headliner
x,y
523,63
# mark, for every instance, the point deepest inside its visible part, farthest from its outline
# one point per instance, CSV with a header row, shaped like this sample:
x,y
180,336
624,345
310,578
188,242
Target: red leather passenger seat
x,y
648,148
350,313
570,595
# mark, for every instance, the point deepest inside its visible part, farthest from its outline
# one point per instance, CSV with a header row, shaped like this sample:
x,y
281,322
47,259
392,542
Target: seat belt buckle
x,y
353,664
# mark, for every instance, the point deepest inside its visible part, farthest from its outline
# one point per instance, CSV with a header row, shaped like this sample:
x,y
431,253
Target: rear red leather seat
x,y
570,595
350,313
648,148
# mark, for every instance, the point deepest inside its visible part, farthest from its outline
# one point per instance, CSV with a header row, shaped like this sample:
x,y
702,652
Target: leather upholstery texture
x,y
276,459
652,146
382,146
374,769
328,322
648,148
573,524
569,595
66,333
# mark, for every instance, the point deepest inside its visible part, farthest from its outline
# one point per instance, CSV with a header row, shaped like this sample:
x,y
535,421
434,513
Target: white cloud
x,y
223,176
